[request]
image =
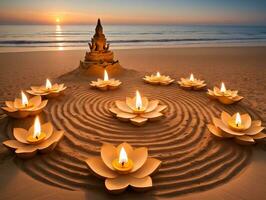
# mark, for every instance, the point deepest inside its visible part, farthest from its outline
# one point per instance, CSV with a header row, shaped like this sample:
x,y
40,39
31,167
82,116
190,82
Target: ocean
x,y
67,37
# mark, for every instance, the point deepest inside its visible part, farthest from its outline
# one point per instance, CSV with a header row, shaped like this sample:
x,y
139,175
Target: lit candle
x,y
123,164
105,78
24,99
48,84
238,119
191,78
105,83
158,74
37,128
123,157
37,134
138,101
223,89
236,123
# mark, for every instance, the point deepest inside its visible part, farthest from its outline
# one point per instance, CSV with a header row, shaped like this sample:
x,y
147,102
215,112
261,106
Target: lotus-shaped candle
x,y
24,107
191,83
27,143
124,166
138,110
106,83
158,79
48,90
223,95
240,127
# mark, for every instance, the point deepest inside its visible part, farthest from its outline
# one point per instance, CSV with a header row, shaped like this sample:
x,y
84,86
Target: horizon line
x,y
166,24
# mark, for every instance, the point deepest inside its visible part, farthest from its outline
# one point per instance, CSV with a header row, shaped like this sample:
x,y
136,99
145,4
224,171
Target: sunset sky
x,y
241,12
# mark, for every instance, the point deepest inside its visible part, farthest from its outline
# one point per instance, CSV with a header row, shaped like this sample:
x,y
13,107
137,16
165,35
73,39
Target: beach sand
x,y
195,165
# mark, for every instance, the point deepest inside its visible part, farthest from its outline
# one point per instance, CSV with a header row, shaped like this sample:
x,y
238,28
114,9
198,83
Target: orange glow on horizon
x,y
71,17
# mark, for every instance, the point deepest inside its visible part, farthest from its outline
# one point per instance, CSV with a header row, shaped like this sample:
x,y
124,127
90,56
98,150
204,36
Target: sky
x,y
240,12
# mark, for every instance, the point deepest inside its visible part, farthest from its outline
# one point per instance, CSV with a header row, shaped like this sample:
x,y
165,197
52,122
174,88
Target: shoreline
x,y
62,49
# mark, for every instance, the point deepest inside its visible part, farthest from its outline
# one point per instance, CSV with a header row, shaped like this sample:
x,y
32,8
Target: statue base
x,y
99,56
94,68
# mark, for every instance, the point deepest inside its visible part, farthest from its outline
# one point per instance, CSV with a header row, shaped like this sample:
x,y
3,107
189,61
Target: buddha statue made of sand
x,y
99,57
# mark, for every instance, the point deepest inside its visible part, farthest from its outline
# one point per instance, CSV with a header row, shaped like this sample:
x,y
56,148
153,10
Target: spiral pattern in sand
x,y
192,159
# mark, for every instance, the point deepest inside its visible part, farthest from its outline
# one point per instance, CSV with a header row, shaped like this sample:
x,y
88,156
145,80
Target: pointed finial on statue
x,y
99,28
99,22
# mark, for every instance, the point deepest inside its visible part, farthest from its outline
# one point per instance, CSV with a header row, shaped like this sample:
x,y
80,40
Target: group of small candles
x,y
133,110
158,78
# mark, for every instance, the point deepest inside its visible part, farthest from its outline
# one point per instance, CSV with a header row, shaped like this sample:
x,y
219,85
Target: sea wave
x,y
18,42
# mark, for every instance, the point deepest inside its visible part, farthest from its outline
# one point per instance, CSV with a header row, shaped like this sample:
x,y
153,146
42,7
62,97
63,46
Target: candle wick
x,y
37,137
122,164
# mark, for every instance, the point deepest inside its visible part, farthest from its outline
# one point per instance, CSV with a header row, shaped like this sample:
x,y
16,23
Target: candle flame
x,y
37,128
122,156
24,99
191,78
238,119
158,74
138,100
48,84
223,89
106,78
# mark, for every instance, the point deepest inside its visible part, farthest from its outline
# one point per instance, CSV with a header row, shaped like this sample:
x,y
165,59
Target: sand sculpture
x,y
99,57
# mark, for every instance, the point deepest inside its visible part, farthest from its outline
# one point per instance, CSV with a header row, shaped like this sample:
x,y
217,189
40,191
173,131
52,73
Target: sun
x,y
57,20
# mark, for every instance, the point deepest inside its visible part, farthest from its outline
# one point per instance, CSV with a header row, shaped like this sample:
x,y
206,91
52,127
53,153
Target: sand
x,y
195,165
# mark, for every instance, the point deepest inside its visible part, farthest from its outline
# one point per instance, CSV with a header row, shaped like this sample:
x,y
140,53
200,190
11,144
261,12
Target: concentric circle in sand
x,y
192,159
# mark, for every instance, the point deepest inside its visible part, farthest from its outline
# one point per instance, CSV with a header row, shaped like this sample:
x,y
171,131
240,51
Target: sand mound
x,y
192,159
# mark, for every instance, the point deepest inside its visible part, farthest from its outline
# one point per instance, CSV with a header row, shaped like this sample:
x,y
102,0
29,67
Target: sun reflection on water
x,y
58,37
